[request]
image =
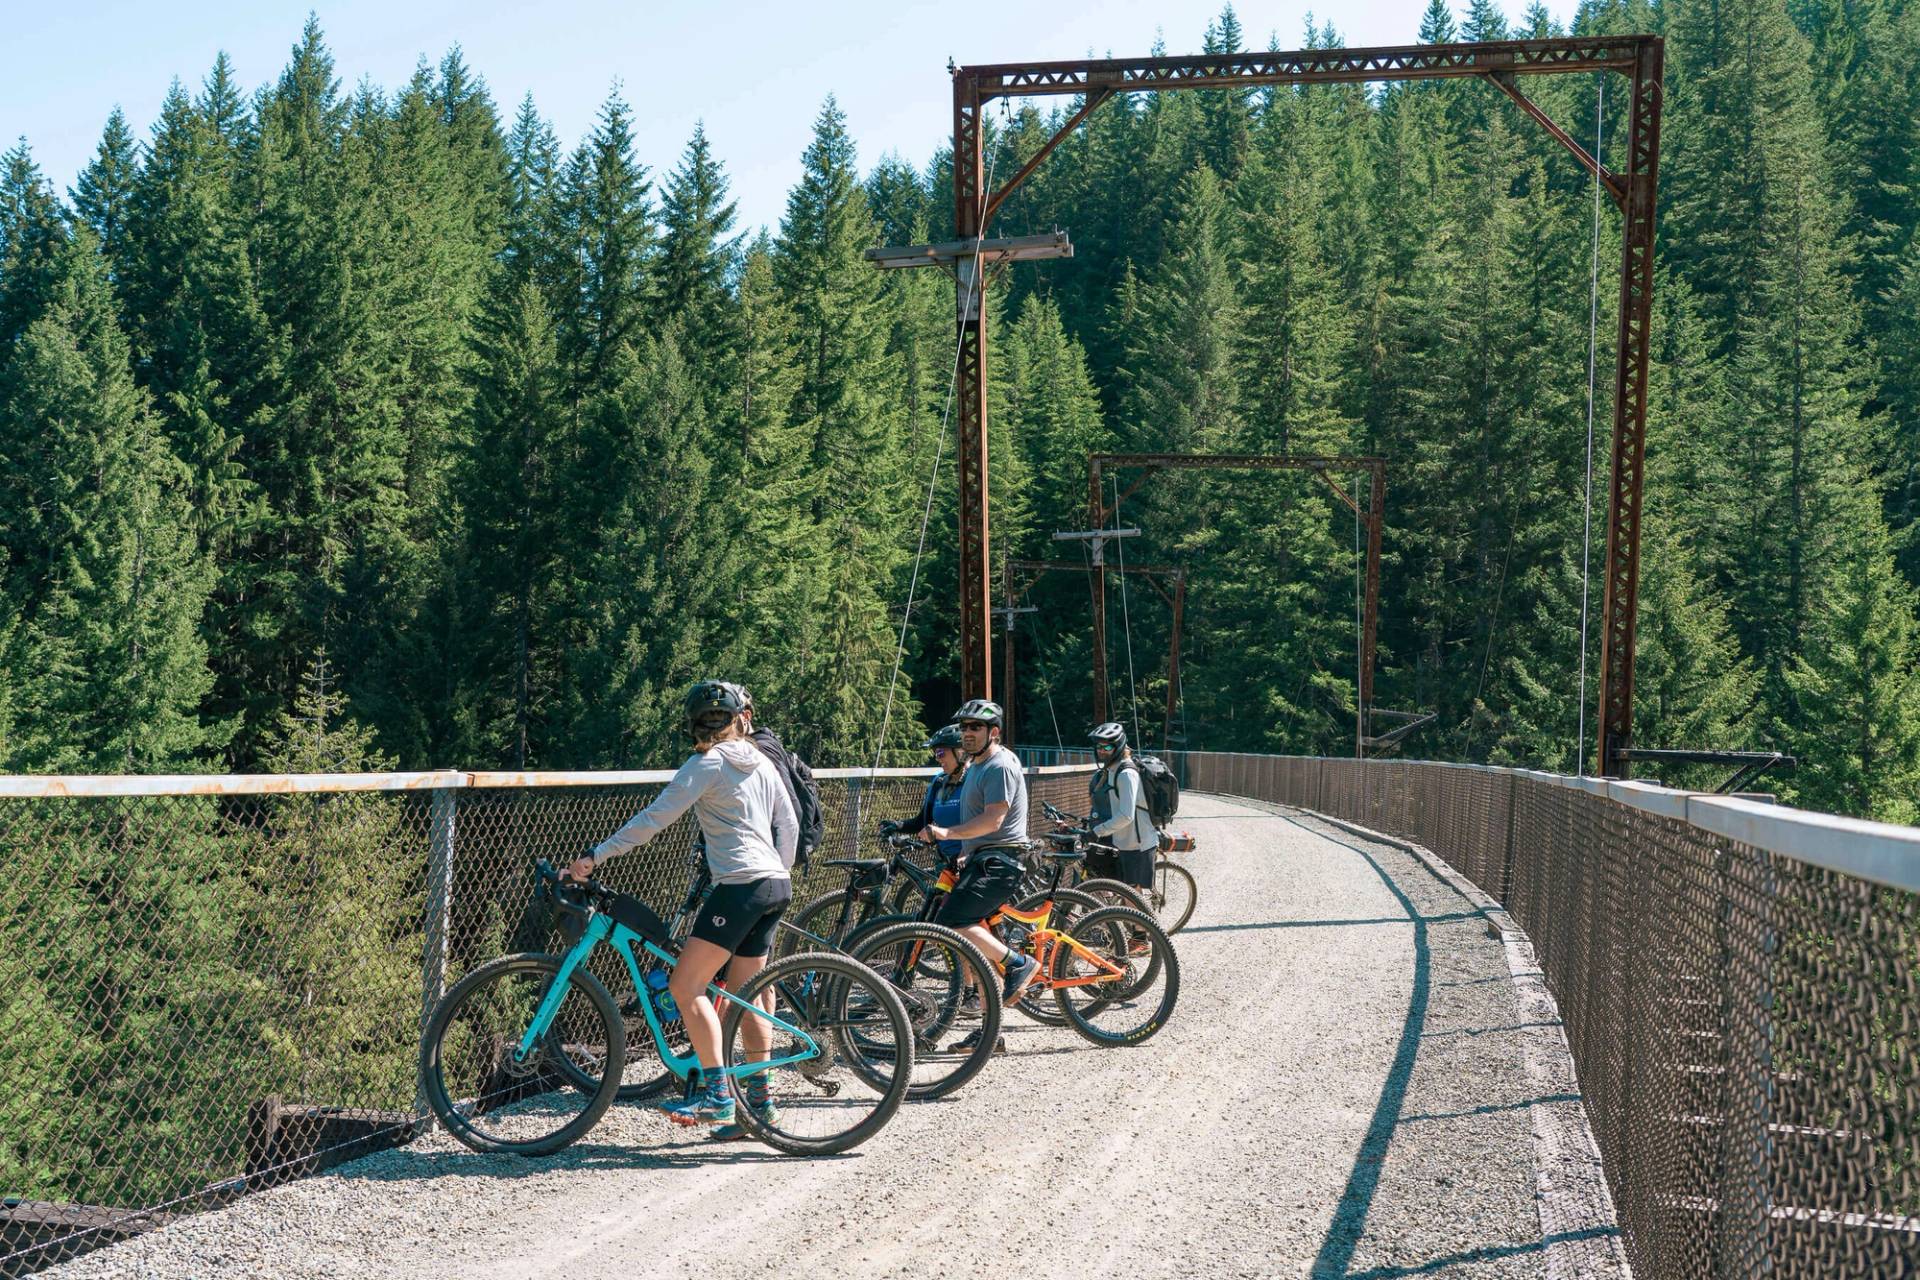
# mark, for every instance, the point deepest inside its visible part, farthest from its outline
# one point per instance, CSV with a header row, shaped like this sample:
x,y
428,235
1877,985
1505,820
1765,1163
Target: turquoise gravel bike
x,y
526,1053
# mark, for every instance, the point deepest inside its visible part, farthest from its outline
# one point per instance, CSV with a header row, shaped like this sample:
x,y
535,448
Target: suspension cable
x,y
1586,509
1359,641
1126,620
976,286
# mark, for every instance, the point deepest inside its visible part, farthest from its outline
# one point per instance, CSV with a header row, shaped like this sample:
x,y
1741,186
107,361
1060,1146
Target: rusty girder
x,y
1637,57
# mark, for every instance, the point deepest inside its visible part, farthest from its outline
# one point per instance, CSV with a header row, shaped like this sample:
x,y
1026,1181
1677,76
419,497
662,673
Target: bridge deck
x,y
1343,1091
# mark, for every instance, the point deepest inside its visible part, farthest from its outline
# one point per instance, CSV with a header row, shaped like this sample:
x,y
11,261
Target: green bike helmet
x,y
982,710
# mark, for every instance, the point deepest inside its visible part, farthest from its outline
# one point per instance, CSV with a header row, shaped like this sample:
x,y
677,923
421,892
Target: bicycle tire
x,y
1068,905
1110,931
843,977
818,916
1173,907
434,1056
1115,893
936,1018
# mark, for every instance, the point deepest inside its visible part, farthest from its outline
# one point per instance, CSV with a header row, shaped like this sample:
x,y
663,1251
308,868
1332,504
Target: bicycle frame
x,y
601,928
1045,939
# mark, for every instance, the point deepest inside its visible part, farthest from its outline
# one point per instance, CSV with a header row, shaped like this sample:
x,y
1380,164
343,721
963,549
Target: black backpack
x,y
801,789
1160,788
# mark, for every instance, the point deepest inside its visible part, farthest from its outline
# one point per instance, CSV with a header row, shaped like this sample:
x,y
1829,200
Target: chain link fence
x,y
210,985
1738,984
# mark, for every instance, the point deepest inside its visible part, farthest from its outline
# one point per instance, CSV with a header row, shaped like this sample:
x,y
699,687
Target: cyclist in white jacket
x,y
1120,816
750,831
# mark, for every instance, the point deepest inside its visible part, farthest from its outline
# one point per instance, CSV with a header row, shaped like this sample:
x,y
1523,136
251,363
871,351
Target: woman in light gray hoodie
x,y
750,831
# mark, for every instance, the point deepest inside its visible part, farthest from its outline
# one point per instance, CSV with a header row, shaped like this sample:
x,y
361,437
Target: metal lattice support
x,y
1632,358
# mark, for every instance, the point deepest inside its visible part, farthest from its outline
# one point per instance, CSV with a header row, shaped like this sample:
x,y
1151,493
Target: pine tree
x,y
1859,752
778,495
607,224
698,256
32,235
113,584
665,567
101,195
340,914
847,405
1180,389
513,474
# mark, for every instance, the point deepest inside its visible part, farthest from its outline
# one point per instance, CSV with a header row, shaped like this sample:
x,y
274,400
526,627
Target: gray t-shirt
x,y
993,780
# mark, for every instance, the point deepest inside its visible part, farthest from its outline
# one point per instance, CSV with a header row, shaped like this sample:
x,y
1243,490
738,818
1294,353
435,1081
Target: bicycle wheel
x,y
1127,1009
935,964
492,1102
819,917
933,968
1068,906
1175,893
1114,893
835,1099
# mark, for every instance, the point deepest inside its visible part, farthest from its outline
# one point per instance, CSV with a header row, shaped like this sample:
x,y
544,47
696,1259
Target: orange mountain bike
x,y
1112,971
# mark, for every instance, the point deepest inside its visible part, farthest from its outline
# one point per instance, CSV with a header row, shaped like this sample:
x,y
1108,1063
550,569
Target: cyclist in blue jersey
x,y
941,806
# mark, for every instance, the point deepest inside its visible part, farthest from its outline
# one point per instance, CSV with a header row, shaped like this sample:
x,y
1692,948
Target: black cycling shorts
x,y
742,917
1136,867
1128,866
988,882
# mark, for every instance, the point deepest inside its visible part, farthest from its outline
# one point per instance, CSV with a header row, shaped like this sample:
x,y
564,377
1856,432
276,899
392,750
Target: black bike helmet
x,y
982,710
1111,734
946,736
712,703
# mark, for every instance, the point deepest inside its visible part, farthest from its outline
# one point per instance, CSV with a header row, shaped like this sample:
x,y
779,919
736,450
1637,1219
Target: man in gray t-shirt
x,y
996,780
992,832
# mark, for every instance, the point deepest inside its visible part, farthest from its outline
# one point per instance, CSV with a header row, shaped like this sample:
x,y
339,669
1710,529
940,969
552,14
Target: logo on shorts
x,y
719,922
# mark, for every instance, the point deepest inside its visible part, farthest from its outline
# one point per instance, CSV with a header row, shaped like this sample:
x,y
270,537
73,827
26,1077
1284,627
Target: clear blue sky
x,y
756,72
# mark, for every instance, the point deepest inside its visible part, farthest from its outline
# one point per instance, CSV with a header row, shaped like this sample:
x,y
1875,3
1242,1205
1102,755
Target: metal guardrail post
x,y
441,813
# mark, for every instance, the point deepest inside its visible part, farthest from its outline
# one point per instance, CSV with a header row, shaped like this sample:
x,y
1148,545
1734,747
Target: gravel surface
x,y
1341,1092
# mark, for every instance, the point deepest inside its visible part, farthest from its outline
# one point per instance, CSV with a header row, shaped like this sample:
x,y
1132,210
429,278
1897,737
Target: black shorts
x,y
1136,867
742,917
1128,866
987,883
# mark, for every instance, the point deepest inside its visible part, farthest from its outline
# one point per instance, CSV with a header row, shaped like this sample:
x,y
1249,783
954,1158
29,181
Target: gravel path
x,y
1340,1093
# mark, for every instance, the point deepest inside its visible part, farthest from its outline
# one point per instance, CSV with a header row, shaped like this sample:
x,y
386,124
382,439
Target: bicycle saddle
x,y
869,866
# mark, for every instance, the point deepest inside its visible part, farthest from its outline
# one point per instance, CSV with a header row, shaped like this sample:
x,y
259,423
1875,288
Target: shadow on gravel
x,y
1350,1216
1483,1255
403,1165
1493,1031
1492,1107
1333,924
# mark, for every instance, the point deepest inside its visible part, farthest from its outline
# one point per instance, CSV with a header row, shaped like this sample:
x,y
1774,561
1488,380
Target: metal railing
x,y
212,984
1740,984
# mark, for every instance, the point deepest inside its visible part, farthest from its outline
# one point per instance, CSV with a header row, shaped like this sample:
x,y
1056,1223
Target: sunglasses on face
x,y
972,726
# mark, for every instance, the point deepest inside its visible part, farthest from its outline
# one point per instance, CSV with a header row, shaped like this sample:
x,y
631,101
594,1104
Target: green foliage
x,y
525,444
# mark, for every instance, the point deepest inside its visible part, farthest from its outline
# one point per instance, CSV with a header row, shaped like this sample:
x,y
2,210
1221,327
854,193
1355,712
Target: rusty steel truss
x,y
1148,463
1639,58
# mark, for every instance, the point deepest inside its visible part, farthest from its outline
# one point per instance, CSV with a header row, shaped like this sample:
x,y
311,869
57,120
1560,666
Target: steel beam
x,y
970,394
1638,57
1632,356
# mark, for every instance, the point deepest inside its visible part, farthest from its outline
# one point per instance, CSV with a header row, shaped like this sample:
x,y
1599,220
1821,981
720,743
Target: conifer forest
x,y
389,408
